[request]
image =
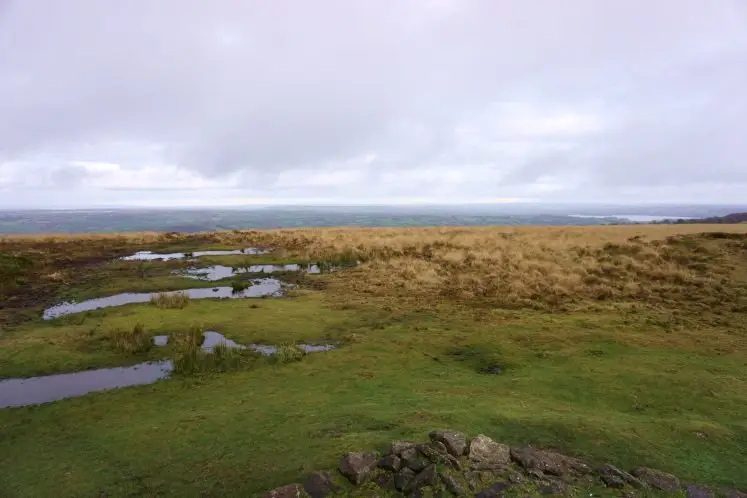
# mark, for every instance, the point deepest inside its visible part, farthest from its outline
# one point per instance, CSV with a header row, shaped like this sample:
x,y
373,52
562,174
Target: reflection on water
x,y
37,390
219,272
260,287
268,350
150,255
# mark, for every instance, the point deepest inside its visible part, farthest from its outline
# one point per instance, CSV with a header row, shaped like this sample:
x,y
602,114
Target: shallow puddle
x,y
212,339
219,272
269,350
261,287
38,390
151,256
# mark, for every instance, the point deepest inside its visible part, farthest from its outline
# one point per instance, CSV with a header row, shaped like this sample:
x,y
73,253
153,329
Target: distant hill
x,y
727,219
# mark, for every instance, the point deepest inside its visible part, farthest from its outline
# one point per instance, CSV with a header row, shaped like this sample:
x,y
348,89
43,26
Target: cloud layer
x,y
233,101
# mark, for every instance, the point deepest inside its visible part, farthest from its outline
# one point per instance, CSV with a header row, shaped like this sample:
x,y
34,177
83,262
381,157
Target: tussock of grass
x,y
288,353
170,300
190,359
238,286
133,341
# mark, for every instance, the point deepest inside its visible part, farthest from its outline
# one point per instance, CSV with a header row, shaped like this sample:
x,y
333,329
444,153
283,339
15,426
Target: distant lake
x,y
640,218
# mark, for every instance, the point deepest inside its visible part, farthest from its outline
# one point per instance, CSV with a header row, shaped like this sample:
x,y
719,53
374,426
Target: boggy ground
x,y
619,344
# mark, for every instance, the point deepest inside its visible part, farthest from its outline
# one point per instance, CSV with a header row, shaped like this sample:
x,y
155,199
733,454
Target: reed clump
x,y
132,341
176,300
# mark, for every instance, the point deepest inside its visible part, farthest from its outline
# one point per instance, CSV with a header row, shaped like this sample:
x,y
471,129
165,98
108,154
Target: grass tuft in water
x,y
238,286
170,300
190,359
288,353
133,341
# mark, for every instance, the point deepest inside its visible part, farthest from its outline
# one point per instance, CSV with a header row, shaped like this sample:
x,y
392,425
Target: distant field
x,y
616,343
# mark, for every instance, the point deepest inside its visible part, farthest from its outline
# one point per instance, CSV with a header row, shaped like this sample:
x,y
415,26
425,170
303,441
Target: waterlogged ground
x,y
627,384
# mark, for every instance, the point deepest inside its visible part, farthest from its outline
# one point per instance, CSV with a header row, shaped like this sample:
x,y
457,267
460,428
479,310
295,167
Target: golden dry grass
x,y
526,266
537,266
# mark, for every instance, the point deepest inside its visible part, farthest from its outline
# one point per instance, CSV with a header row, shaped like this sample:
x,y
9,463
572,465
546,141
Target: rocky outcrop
x,y
455,442
484,453
319,484
657,479
548,461
358,466
287,491
616,478
452,464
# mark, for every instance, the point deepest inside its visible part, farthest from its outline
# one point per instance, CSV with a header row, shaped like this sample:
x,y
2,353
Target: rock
x,y
385,480
397,447
616,478
552,487
436,453
698,491
734,493
319,485
455,442
548,461
413,460
357,466
536,474
428,477
657,479
403,478
613,481
452,485
391,463
494,491
486,452
287,491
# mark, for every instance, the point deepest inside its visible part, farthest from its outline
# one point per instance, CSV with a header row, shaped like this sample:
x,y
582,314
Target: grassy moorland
x,y
625,344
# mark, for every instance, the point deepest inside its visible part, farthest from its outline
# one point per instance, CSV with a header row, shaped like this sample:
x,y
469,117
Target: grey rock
x,y
319,485
357,466
439,446
455,442
428,477
494,491
436,453
548,461
552,487
287,491
698,491
657,479
536,474
413,460
734,493
484,450
452,485
403,478
391,463
613,481
385,480
612,477
397,447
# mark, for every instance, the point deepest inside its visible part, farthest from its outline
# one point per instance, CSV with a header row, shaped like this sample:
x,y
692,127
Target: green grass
x,y
622,383
590,385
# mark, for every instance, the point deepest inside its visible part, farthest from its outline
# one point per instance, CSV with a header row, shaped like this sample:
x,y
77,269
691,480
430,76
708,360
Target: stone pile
x,y
450,464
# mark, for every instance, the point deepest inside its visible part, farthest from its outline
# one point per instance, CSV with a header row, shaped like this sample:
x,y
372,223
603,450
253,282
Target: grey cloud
x,y
247,90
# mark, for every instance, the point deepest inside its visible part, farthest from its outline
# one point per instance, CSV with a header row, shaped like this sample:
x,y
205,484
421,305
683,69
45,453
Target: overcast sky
x,y
230,102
